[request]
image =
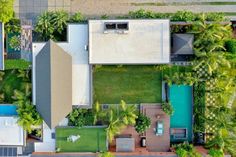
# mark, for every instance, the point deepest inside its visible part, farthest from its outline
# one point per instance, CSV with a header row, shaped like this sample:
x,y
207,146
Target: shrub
x,y
167,108
15,42
181,152
215,153
230,45
77,17
183,16
16,64
142,123
185,149
81,117
13,26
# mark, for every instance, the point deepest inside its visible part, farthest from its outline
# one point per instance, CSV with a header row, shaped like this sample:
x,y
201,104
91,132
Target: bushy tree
x,y
6,10
167,108
142,123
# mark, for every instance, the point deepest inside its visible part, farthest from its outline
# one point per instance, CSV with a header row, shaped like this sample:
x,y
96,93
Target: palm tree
x,y
114,127
127,114
59,20
210,36
96,110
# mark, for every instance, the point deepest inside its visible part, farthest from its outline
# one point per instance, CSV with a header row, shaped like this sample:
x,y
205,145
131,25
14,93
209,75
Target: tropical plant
x,y
181,78
6,13
15,42
80,117
114,127
77,17
230,46
167,108
106,154
215,153
185,149
142,123
2,97
1,75
13,26
52,25
28,116
127,113
210,37
212,61
22,96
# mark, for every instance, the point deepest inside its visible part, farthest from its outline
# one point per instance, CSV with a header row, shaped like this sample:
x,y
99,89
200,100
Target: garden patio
x,y
92,139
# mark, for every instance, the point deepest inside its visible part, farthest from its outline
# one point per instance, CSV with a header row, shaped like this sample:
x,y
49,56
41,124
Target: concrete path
x,y
122,7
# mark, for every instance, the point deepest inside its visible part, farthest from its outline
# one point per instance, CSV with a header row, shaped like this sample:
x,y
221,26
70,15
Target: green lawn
x,y
133,84
16,64
91,139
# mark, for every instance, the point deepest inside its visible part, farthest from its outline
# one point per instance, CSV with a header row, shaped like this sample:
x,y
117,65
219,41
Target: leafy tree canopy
x,y
6,10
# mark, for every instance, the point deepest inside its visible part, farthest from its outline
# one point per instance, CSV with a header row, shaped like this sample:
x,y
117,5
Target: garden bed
x,y
92,139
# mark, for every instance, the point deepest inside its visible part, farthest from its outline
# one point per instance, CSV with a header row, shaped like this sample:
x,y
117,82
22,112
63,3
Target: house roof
x,y
183,44
145,41
53,71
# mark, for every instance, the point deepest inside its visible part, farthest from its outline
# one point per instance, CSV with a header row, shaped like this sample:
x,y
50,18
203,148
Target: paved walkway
x,y
122,7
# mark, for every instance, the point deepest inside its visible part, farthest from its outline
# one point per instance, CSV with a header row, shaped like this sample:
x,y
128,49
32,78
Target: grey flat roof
x,y
1,46
147,41
53,83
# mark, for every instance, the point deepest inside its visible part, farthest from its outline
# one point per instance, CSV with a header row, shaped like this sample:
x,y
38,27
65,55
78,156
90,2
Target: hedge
x,y
230,45
185,16
16,64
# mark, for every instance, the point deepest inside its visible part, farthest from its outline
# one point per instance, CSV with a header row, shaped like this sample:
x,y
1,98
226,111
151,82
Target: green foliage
x,y
28,116
181,152
105,16
52,25
181,78
80,117
199,107
15,42
186,150
230,46
16,64
210,37
127,113
106,154
77,17
167,108
13,26
215,153
142,123
6,10
186,16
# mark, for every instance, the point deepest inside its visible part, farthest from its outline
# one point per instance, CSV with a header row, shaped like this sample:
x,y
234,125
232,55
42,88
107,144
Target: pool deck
x,y
156,143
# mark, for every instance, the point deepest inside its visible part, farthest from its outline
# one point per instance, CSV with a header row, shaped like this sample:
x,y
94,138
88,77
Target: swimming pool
x,y
182,101
8,110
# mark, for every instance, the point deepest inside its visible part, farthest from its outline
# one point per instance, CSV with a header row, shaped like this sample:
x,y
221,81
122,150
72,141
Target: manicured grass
x,y
133,84
181,3
16,64
9,83
91,139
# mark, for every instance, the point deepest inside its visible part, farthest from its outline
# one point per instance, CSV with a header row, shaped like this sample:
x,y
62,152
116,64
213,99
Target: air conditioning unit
x,y
122,31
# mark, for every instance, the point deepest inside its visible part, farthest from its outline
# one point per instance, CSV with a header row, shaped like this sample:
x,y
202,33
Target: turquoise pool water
x,y
181,99
8,110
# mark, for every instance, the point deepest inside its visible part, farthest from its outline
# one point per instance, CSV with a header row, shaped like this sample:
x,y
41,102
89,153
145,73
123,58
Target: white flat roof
x,y
10,132
75,46
145,42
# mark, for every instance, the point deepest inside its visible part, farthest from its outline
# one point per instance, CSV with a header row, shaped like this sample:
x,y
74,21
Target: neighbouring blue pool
x,y
8,110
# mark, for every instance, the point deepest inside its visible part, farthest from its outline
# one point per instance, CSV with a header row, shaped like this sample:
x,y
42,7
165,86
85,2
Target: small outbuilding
x,y
183,44
125,145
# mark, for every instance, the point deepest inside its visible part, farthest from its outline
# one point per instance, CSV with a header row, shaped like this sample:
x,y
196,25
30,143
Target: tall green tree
x,y
127,113
6,10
